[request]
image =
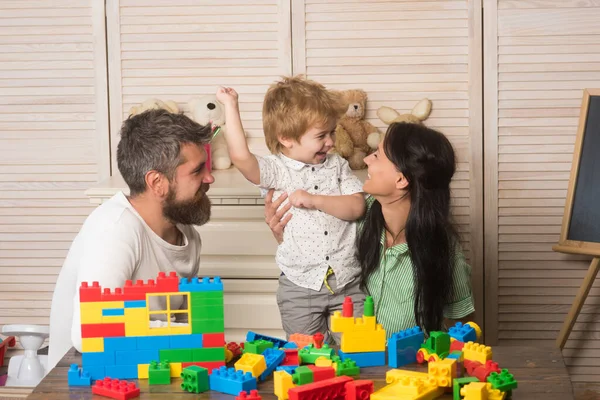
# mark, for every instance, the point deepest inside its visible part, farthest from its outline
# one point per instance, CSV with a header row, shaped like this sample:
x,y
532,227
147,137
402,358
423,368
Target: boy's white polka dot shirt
x,y
313,240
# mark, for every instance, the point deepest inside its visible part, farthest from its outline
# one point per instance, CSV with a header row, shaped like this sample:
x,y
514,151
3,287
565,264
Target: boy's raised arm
x,y
239,152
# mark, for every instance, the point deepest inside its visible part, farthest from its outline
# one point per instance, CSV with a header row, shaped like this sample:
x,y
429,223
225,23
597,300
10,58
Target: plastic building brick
x,y
277,343
403,347
482,371
282,383
213,339
301,340
322,373
324,362
153,342
333,389
93,345
394,375
273,359
477,352
116,389
364,341
97,359
96,372
169,283
122,371
253,395
458,383
90,293
347,367
134,304
121,344
159,374
372,359
253,363
302,376
200,284
308,355
443,371
456,345
257,346
464,333
208,354
481,391
102,330
77,377
135,357
229,381
290,345
186,341
409,388
359,390
194,379
503,381
291,357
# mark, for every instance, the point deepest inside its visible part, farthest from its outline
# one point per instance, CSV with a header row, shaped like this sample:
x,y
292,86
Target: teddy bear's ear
x,y
422,109
362,95
387,114
172,107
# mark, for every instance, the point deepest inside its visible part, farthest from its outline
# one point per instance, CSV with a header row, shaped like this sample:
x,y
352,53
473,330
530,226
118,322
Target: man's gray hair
x,y
152,141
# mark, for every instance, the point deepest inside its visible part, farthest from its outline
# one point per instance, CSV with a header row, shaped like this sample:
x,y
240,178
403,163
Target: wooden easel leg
x,y
565,331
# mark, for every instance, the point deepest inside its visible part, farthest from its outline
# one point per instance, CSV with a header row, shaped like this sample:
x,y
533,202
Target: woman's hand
x,y
273,215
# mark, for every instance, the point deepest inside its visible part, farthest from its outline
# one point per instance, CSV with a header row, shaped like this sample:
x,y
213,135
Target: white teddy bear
x,y
207,110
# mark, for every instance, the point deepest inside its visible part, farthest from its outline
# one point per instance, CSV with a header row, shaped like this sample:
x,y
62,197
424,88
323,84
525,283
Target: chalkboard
x,y
581,221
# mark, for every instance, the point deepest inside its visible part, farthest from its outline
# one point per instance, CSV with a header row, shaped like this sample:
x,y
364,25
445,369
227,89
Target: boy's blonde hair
x,y
294,105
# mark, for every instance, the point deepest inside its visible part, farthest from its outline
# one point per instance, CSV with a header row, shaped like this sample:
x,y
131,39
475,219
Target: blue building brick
x,y
96,372
107,312
136,357
290,369
273,358
153,342
135,304
403,347
277,343
98,359
193,341
463,333
229,381
200,284
371,359
122,371
120,343
78,377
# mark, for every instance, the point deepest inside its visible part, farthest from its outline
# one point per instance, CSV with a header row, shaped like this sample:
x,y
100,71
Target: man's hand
x,y
273,215
301,198
227,96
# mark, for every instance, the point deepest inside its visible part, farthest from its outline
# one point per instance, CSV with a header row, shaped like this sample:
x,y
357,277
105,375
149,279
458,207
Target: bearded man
x,y
162,158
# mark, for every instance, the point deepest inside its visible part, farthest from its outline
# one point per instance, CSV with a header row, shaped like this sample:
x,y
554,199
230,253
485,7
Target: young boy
x,y
317,255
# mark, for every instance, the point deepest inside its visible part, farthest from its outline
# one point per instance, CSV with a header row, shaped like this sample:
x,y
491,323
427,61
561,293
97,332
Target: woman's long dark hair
x,y
426,158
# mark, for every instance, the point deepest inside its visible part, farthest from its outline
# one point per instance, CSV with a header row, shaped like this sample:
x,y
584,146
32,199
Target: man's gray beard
x,y
191,212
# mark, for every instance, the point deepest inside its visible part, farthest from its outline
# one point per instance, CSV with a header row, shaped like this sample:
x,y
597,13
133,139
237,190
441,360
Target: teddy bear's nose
x,y
211,106
356,107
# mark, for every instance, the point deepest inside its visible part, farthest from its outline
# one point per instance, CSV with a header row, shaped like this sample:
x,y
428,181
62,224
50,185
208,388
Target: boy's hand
x,y
301,198
227,96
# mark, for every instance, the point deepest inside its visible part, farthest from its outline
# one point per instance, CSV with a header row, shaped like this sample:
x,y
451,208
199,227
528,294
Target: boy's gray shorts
x,y
307,311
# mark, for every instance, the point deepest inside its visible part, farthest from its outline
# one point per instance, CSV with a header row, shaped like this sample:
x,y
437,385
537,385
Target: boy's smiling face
x,y
313,146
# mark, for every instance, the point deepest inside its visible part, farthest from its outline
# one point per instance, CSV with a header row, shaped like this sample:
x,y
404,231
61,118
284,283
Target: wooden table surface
x,y
540,372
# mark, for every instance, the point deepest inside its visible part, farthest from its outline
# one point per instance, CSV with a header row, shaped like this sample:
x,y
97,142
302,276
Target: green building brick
x,y
207,325
503,381
347,368
458,383
303,375
159,374
257,346
176,355
309,354
208,354
195,379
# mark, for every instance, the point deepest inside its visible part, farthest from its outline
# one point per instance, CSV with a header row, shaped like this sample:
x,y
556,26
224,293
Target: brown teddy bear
x,y
388,116
352,131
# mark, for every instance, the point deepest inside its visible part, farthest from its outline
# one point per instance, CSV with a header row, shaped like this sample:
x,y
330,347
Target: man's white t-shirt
x,y
114,244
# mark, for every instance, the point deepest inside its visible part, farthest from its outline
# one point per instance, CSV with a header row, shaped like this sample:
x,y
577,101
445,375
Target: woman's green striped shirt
x,y
392,287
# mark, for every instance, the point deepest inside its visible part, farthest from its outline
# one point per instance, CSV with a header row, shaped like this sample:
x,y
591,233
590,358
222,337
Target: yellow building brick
x,y
282,383
363,341
143,371
393,375
253,363
92,345
409,388
474,391
91,312
341,324
477,352
443,371
176,369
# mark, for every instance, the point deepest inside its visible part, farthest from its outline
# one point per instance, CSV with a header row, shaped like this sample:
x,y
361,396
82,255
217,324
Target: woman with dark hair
x,y
410,255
